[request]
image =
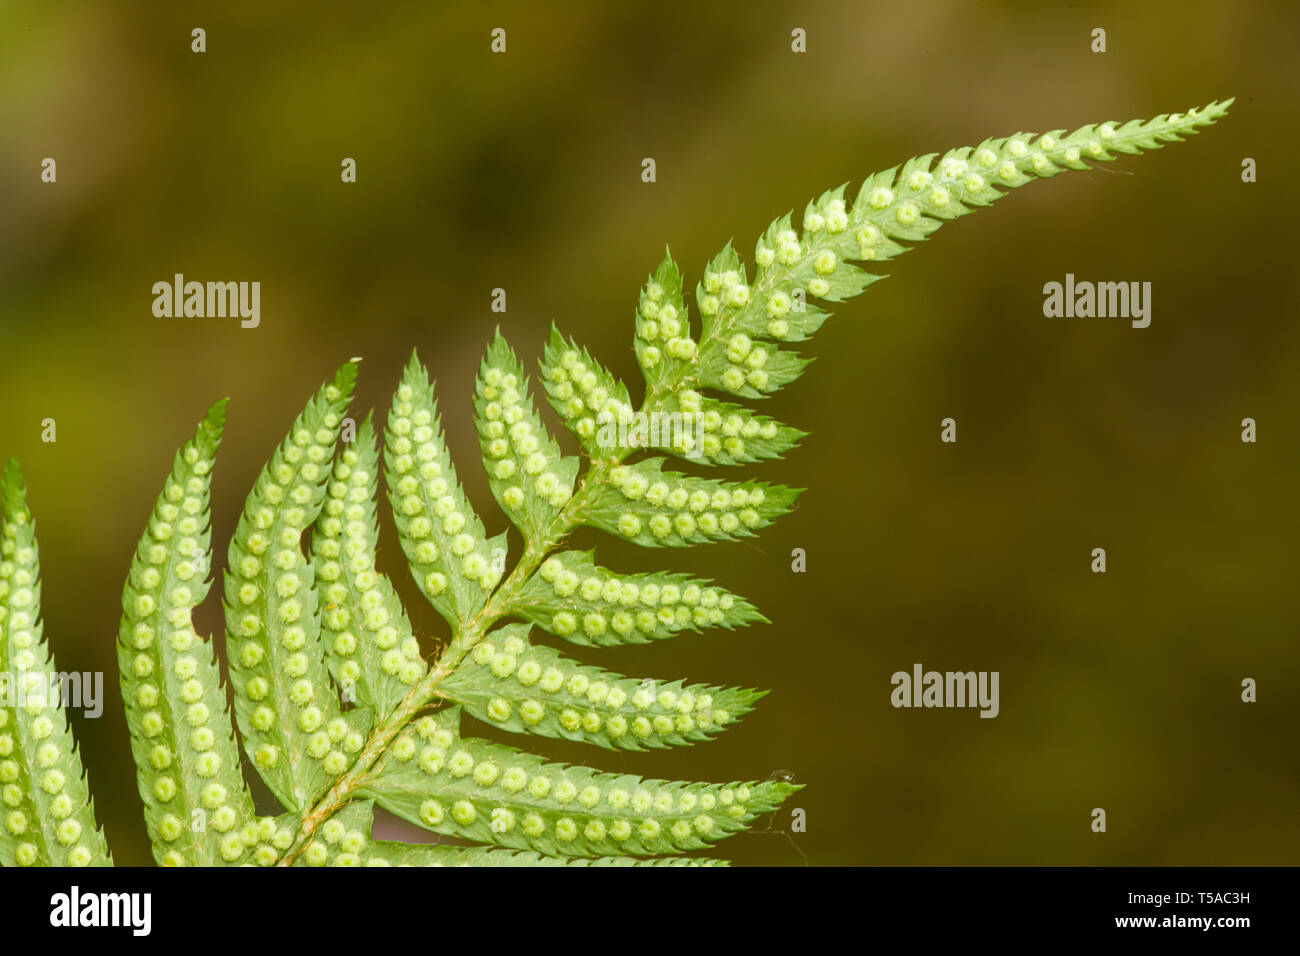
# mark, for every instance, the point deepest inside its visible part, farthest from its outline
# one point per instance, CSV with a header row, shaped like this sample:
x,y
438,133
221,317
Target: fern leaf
x,y
347,840
529,478
370,648
297,626
573,598
512,684
584,393
48,816
453,562
894,206
708,431
664,348
655,508
491,793
387,853
287,710
181,734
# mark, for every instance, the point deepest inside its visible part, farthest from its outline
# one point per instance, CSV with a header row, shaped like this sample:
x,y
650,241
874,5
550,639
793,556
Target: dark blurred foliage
x,y
522,171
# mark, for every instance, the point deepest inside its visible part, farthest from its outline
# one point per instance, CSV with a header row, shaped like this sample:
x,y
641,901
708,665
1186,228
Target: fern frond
x,y
370,648
453,562
182,738
644,504
664,348
745,324
294,731
529,478
491,793
573,598
49,818
709,431
347,840
387,853
510,683
337,709
584,393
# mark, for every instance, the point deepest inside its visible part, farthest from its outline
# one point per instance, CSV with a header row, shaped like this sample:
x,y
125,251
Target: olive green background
x,y
522,171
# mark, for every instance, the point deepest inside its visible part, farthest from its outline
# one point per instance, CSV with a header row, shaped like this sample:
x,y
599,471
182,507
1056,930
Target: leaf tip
x,y
345,379
216,415
12,494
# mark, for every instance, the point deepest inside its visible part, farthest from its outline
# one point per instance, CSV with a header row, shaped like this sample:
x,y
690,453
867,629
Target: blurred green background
x,y
523,171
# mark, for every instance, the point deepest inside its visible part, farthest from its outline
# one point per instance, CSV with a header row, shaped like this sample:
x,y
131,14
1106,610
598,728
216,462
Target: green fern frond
x,y
491,793
181,733
655,508
530,479
453,562
337,709
370,648
584,393
49,818
385,853
573,598
745,323
730,434
512,684
288,712
663,344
